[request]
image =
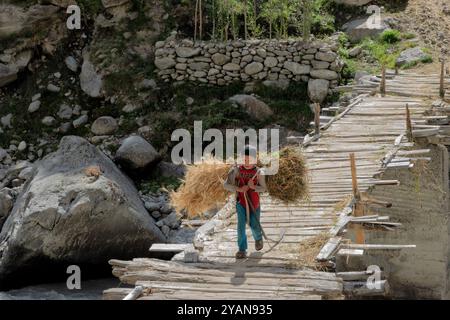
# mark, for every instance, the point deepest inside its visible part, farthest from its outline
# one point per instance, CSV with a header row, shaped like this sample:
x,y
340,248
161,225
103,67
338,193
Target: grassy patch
x,y
159,183
390,36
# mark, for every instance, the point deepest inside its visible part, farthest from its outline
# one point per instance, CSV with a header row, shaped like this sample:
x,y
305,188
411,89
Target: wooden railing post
x,y
317,118
358,209
409,133
383,80
441,82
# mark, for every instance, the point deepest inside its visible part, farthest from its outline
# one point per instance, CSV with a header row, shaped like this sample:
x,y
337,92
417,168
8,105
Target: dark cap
x,y
249,150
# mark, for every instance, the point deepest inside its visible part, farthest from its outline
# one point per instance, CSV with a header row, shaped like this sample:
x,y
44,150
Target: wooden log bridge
x,y
347,156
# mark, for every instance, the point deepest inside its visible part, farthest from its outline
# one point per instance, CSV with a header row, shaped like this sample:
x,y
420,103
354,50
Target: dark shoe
x,y
241,255
259,244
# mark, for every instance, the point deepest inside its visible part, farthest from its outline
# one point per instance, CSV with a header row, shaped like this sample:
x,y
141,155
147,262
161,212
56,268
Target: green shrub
x,y
427,59
390,36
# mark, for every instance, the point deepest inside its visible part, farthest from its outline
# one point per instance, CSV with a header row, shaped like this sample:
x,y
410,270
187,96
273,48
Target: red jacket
x,y
242,179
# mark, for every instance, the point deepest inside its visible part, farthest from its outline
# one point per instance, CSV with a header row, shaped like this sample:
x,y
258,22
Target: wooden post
x,y
383,80
358,209
441,83
317,118
409,134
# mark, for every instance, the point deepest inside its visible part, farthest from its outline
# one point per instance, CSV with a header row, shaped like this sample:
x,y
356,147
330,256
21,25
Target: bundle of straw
x,y
290,184
202,189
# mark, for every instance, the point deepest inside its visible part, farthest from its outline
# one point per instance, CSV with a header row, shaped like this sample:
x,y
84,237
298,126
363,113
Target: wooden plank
x,y
328,249
171,247
350,252
378,246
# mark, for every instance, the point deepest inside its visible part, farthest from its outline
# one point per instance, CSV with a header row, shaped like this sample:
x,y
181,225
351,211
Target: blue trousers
x,y
254,226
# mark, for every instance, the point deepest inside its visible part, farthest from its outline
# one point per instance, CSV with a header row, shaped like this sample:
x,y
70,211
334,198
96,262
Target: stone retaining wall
x,y
223,63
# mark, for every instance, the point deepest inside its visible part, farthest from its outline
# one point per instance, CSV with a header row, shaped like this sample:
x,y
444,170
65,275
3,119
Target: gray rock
x,y
104,126
65,112
169,169
324,74
136,153
253,68
186,52
326,56
271,62
113,3
131,107
318,90
165,230
36,97
71,63
48,121
232,67
6,120
90,81
362,28
26,173
148,84
198,66
171,221
356,51
3,154
152,206
66,215
8,74
6,204
282,84
53,88
22,146
410,56
34,106
80,121
165,63
156,214
297,68
257,109
220,59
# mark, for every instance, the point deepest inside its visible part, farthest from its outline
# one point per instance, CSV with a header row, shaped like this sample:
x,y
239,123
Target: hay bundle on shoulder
x,y
202,189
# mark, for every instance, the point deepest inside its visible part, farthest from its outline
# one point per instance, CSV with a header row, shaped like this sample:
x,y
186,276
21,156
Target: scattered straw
x,y
309,249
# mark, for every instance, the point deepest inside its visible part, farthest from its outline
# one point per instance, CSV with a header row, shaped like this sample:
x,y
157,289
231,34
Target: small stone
x,y
48,121
151,206
129,108
37,96
65,112
165,230
105,125
71,63
22,146
26,173
57,75
53,88
253,68
34,106
80,121
156,214
189,101
6,120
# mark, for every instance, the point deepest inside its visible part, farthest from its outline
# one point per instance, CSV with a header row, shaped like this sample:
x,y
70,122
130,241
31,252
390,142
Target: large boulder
x,y
411,55
135,153
78,208
257,109
318,90
6,204
359,29
104,126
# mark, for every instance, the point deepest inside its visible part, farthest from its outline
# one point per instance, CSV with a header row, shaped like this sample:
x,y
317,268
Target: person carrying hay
x,y
247,182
